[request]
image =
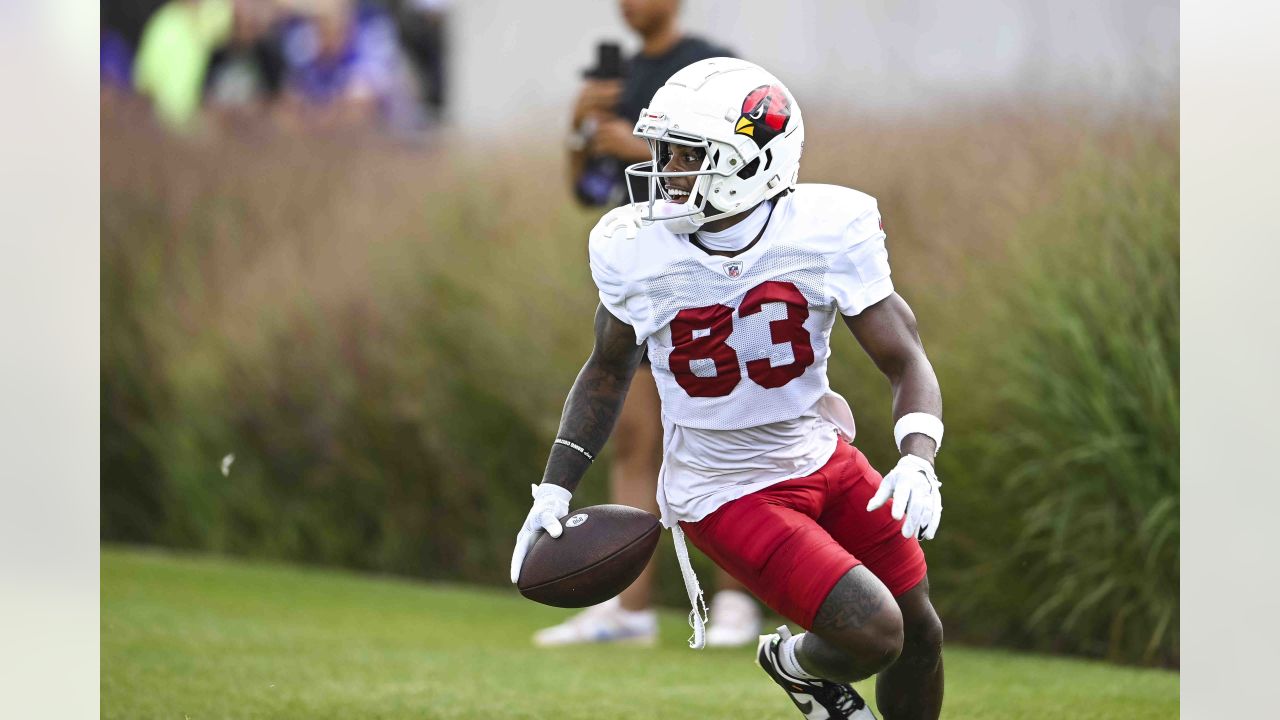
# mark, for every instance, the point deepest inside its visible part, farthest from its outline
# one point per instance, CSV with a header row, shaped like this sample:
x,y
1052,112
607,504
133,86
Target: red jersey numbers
x,y
699,333
787,330
703,334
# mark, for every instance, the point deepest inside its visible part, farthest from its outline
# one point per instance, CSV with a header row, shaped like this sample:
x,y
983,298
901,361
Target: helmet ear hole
x,y
768,158
749,171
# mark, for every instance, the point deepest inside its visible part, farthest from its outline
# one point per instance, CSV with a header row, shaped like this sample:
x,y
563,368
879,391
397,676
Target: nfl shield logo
x,y
733,269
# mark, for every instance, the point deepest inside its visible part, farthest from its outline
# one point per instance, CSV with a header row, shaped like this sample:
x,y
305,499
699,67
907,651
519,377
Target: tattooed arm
x,y
594,400
593,405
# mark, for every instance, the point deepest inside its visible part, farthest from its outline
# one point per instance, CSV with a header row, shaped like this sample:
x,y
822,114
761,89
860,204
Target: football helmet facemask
x,y
747,123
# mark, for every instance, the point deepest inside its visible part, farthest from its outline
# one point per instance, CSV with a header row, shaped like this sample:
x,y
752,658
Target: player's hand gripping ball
x,y
917,497
584,557
550,502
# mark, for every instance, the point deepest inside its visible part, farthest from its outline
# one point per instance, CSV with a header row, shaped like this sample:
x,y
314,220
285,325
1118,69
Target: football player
x,y
733,276
601,146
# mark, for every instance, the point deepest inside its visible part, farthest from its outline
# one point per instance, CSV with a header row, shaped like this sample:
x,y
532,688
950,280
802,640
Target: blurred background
x,y
345,283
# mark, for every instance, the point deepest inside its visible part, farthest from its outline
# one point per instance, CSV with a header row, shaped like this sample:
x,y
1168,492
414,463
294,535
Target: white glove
x,y
917,496
550,503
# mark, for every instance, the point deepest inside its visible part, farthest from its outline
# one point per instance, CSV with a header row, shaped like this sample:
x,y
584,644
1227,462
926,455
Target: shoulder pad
x,y
618,224
833,204
832,218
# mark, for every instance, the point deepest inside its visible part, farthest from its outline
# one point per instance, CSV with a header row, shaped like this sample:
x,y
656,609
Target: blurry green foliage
x,y
1089,438
384,338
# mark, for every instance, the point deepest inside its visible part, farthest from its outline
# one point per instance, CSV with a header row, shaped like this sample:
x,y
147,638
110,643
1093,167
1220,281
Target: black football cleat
x,y
817,699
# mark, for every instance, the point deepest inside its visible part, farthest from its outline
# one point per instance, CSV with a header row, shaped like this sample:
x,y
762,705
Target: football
x,y
602,550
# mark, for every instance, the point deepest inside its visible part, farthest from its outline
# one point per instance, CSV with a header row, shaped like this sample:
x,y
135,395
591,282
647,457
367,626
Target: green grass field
x,y
199,637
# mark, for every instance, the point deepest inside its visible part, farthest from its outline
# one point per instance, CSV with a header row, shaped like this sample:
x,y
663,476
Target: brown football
x,y
602,550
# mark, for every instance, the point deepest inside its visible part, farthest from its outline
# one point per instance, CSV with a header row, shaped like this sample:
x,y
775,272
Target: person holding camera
x,y
614,93
601,145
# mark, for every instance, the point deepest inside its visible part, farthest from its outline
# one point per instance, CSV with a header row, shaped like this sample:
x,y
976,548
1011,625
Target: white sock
x,y
790,664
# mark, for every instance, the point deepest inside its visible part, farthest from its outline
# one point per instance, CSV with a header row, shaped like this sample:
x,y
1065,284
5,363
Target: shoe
x,y
735,620
817,699
607,622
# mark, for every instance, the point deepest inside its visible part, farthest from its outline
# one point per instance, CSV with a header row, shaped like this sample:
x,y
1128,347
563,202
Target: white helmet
x,y
745,119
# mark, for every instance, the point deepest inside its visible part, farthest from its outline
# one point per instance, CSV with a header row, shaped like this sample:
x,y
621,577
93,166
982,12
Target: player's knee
x,y
874,646
924,636
884,643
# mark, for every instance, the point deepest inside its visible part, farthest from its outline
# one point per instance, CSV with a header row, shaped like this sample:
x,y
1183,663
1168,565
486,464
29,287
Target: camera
x,y
601,182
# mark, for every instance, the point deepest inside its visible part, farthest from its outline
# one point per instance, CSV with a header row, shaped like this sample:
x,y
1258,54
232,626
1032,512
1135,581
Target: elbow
x,y
603,365
908,366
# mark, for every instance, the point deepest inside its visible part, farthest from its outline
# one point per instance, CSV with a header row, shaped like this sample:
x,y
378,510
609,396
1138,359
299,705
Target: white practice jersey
x,y
739,345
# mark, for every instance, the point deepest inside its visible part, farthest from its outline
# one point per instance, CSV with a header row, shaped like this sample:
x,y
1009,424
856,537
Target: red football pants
x,y
791,542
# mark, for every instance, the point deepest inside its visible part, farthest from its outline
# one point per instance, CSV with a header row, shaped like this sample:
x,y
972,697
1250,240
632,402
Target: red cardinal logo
x,y
765,113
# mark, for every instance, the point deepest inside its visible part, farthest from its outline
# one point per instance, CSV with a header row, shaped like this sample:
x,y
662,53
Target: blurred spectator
x,y
601,143
174,54
128,17
246,74
344,67
422,31
115,62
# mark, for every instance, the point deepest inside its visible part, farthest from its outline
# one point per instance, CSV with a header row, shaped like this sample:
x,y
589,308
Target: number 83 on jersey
x,y
700,338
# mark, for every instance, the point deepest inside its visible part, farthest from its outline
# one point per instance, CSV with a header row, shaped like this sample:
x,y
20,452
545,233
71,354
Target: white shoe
x,y
815,699
735,620
607,622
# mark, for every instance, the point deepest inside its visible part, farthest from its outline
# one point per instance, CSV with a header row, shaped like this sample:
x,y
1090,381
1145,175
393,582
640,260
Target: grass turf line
x,y
202,637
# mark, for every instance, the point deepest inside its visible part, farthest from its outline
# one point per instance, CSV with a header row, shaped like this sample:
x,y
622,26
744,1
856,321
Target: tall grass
x,y
383,337
1090,439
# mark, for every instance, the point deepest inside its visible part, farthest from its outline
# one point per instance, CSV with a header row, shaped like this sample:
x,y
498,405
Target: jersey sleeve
x,y
858,276
611,250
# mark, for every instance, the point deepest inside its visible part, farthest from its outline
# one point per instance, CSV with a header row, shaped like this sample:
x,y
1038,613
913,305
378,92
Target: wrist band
x,y
918,422
570,444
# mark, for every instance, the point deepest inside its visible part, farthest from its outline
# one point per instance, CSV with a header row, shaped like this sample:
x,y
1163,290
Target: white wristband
x,y
918,422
